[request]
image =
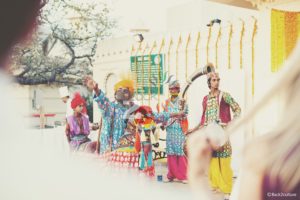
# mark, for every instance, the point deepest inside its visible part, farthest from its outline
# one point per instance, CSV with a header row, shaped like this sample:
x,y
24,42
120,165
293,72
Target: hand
x,y
68,138
177,115
224,125
94,126
90,83
182,102
190,131
181,114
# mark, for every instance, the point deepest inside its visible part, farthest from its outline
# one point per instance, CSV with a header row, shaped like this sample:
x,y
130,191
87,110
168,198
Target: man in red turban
x,y
78,100
77,128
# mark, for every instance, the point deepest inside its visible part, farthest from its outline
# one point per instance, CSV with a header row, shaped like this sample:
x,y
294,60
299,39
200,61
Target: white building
x,y
239,46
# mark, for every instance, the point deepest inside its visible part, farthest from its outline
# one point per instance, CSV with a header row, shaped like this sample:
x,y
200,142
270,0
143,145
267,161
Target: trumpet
x,y
198,73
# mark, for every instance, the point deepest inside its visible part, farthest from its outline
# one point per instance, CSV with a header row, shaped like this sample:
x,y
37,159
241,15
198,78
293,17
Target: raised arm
x,y
99,96
102,101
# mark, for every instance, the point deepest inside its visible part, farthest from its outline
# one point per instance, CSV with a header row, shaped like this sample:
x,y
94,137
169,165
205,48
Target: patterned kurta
x,y
210,114
175,136
78,130
113,124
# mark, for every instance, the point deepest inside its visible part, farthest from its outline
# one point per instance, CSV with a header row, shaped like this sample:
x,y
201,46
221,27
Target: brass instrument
x,y
198,73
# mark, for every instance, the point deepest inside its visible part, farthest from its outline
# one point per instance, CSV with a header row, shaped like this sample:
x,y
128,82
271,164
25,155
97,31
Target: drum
x,y
216,134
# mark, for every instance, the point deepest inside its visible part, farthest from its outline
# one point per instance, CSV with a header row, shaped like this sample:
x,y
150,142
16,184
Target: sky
x,y
132,14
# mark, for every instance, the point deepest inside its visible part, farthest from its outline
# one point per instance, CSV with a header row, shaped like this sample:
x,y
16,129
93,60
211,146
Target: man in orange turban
x,y
124,90
126,83
114,116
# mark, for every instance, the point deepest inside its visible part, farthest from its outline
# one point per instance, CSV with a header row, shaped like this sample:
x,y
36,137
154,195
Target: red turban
x,y
78,100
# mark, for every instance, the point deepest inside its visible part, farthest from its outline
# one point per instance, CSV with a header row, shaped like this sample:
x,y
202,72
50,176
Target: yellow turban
x,y
125,84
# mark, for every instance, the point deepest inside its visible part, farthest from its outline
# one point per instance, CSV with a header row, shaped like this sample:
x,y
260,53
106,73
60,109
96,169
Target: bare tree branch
x,y
64,48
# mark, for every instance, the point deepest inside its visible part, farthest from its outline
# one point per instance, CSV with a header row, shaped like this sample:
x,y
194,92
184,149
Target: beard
x,y
175,94
121,96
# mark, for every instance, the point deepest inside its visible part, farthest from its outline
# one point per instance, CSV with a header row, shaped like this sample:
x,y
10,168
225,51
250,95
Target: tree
x,y
64,44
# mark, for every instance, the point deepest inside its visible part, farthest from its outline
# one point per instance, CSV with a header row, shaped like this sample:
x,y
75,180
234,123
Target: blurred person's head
x,y
17,20
277,153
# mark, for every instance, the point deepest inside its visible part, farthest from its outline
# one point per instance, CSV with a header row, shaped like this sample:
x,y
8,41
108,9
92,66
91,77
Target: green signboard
x,y
149,71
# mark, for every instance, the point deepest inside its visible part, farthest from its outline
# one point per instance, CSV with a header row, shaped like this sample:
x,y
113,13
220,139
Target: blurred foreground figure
x,y
270,169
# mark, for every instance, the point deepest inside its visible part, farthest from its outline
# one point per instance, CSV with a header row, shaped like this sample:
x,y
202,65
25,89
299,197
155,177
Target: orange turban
x,y
125,84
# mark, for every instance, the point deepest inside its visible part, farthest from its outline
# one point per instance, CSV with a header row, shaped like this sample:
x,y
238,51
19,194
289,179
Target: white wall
x,y
191,18
113,55
49,99
197,14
